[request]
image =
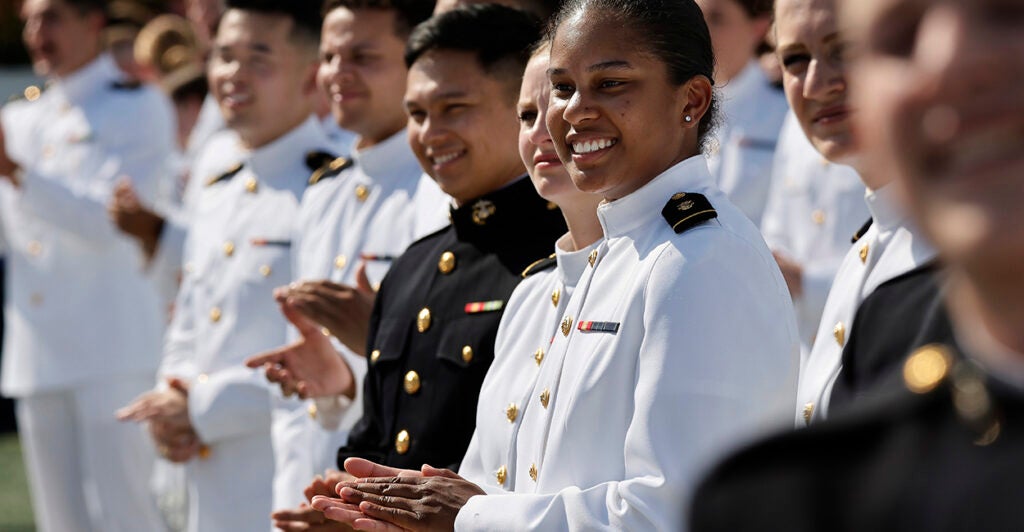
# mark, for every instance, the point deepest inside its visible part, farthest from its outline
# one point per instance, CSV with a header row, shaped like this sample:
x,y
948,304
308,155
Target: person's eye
x,y
795,60
528,117
611,83
416,115
562,89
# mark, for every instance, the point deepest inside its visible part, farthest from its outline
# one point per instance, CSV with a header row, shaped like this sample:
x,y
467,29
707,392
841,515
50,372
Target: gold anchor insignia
x,y
678,196
566,326
482,210
686,205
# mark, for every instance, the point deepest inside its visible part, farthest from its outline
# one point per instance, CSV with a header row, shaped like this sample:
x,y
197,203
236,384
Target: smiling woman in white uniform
x,y
678,341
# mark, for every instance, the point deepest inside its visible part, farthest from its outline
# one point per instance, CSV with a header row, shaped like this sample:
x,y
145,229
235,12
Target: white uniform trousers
x,y
88,471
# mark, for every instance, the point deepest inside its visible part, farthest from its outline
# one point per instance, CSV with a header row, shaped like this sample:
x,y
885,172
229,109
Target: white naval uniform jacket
x,y
891,247
741,155
814,207
78,307
692,350
365,212
237,251
526,331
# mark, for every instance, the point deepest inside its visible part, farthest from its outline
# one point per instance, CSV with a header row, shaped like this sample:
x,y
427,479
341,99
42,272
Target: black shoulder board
x,y
860,232
228,174
540,265
126,85
329,166
687,209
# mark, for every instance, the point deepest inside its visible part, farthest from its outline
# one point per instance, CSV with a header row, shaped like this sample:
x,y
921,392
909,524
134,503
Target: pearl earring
x,y
688,118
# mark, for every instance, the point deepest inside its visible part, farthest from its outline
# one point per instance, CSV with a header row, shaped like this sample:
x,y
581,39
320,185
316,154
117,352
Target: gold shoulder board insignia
x,y
228,174
325,165
687,209
860,232
540,265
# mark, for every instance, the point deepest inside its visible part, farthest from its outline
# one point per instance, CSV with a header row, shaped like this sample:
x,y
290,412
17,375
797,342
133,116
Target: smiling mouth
x,y
446,158
591,146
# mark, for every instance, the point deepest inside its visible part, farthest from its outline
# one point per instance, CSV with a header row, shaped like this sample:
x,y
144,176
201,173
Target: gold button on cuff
x,y
374,355
538,356
864,254
808,412
229,248
566,325
555,296
215,314
202,378
423,320
467,354
545,397
402,442
533,472
501,475
340,261
412,382
35,248
926,368
251,186
592,258
512,412
818,217
839,331
311,410
446,263
362,192
265,270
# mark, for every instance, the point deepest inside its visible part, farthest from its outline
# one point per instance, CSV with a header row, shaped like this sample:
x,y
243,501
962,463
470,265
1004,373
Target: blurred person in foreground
x,y
940,90
85,325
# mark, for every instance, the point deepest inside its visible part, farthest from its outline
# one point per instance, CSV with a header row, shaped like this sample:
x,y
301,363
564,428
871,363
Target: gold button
x,y
374,355
566,326
423,320
592,258
412,382
215,314
501,475
325,331
552,205
362,192
204,452
512,412
555,296
467,354
839,331
402,442
533,472
447,262
818,217
36,299
35,248
229,248
32,93
545,397
265,270
538,356
251,185
864,254
926,368
311,410
340,261
202,378
808,412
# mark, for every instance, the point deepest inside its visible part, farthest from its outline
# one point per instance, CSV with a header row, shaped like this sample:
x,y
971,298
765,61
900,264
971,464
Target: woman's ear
x,y
696,95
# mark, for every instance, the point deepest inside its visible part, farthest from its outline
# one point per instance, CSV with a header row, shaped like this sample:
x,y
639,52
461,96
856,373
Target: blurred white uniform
x,y
84,326
814,208
365,212
236,252
527,327
673,349
891,247
741,152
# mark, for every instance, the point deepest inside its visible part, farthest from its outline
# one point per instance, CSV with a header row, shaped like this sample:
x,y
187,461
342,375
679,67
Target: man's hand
x,y
134,219
792,272
429,501
307,518
310,367
8,168
343,310
166,412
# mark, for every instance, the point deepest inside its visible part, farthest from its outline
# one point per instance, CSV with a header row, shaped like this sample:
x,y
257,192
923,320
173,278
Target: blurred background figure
x,y
741,149
126,19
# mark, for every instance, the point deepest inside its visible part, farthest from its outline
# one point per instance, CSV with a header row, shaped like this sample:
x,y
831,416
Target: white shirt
x,y
740,155
891,247
368,210
620,425
814,207
237,251
526,331
78,307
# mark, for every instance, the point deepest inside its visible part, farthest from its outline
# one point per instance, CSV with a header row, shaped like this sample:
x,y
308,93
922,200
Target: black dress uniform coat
x,y
434,323
941,449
